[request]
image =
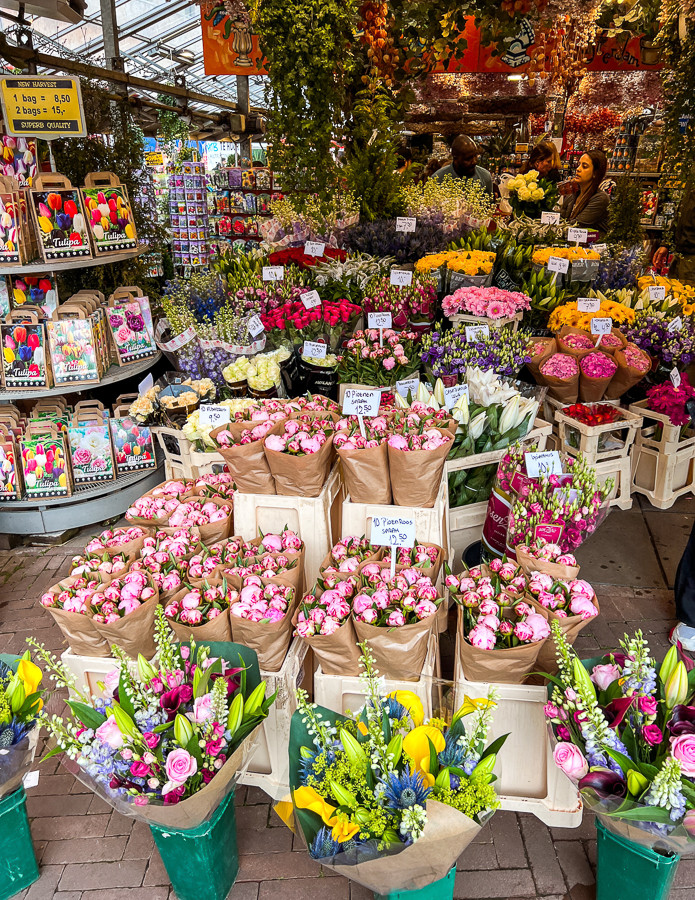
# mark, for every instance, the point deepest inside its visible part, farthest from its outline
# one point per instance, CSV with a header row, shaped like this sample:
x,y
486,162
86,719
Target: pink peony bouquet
x,y
266,566
317,403
226,439
410,597
117,538
429,439
349,435
122,597
324,615
216,483
229,552
502,582
486,302
99,567
76,597
263,604
564,598
152,509
349,554
266,409
300,438
196,606
171,488
421,556
542,549
197,512
286,542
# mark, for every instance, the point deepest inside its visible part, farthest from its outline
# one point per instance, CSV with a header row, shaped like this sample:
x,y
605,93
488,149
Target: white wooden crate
x,y
269,765
89,670
528,779
181,460
619,470
670,438
341,693
663,477
465,527
315,519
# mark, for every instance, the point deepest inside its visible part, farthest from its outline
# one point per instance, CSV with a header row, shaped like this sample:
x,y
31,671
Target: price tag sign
x,y
600,248
31,779
550,218
453,394
214,414
310,299
44,106
558,264
408,385
379,320
657,292
255,326
314,248
578,235
314,350
273,273
601,326
396,531
675,377
543,463
675,325
476,332
358,402
588,304
405,223
401,277
145,384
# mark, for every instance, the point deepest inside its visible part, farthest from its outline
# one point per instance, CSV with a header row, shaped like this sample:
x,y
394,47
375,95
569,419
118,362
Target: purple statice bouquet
x,y
670,348
448,352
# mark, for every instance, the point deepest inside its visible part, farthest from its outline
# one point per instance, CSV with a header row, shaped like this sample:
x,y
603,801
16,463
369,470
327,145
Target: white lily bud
x,y
462,407
477,426
423,395
439,392
508,419
400,402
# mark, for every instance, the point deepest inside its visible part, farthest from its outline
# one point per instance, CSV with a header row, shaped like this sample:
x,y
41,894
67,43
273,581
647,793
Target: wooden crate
x,y
528,779
269,765
670,439
624,431
465,528
663,477
620,470
90,670
315,519
341,693
181,460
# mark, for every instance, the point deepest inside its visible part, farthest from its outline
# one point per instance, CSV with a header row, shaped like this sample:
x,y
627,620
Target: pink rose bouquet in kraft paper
x,y
123,612
261,618
202,613
364,457
300,454
416,463
324,621
625,733
167,740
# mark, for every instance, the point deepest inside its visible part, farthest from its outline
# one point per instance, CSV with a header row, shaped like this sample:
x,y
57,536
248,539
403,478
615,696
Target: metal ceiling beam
x,y
131,29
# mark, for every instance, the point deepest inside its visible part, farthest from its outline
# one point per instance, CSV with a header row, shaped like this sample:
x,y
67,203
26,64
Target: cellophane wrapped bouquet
x,y
20,705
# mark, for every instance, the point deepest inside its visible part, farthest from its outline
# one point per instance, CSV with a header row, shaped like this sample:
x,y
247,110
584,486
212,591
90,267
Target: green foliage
x,y
172,129
624,213
371,157
308,45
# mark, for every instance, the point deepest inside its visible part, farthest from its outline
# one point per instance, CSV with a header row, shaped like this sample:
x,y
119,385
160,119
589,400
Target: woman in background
x,y
545,159
587,205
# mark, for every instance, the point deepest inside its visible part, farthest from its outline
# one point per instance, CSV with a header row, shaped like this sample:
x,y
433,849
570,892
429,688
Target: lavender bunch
x,y
671,348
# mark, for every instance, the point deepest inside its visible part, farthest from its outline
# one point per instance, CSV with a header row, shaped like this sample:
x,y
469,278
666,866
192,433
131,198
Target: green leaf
x,y
434,760
89,717
642,814
496,745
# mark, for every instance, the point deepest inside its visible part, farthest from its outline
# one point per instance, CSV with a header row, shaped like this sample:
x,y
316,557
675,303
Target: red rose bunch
x,y
293,321
592,413
297,257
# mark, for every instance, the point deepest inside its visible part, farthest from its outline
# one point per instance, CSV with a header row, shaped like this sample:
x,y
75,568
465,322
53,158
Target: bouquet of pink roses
x,y
416,459
241,446
572,603
123,613
300,454
365,458
202,613
323,620
261,619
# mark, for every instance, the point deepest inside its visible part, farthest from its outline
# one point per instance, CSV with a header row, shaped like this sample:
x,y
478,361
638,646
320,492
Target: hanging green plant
x,y
624,213
308,45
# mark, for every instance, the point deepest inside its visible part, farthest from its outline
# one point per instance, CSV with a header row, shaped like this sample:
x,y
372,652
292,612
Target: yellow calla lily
x,y
416,746
308,798
31,675
471,704
285,809
412,703
343,828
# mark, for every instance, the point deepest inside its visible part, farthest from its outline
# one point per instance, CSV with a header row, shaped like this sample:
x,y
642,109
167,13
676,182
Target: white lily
x,y
508,419
476,427
439,393
485,387
423,395
461,408
400,401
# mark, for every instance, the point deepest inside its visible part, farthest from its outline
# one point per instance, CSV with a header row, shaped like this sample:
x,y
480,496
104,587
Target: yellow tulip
x,y
39,472
130,231
9,246
416,746
31,675
62,480
8,354
19,296
412,703
45,224
105,223
91,203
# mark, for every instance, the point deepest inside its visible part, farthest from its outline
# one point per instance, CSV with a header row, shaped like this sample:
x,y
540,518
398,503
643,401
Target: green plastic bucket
x,y
18,866
202,863
629,871
438,890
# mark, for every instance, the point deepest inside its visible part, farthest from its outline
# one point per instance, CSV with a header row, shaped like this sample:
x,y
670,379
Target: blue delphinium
x,y
406,790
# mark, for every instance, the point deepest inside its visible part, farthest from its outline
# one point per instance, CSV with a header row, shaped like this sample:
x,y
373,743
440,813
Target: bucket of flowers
x,y
389,798
166,744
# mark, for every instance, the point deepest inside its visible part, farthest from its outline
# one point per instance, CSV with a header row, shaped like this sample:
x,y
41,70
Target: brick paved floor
x,y
89,852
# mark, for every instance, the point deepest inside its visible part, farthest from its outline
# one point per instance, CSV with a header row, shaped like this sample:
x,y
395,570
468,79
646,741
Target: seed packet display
x,y
19,159
24,362
4,296
9,229
133,445
38,290
60,218
130,335
45,466
10,475
91,452
73,348
109,214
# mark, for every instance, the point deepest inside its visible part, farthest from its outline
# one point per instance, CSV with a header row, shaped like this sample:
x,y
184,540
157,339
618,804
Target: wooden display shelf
x,y
88,504
38,266
115,374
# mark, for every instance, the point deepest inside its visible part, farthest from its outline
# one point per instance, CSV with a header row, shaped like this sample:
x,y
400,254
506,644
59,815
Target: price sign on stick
x,y
408,385
393,532
401,277
314,350
379,320
273,273
578,235
675,325
214,414
255,326
550,218
310,299
558,264
657,292
453,394
601,326
145,384
314,248
675,377
546,463
405,223
588,304
477,333
358,402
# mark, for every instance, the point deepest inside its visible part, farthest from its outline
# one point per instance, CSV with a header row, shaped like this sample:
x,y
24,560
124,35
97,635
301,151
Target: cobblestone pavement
x,y
88,852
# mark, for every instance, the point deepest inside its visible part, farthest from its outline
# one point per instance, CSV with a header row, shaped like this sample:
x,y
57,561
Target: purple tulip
x,y
682,720
605,783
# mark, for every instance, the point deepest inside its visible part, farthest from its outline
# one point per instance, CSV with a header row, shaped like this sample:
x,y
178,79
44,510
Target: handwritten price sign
x,y
361,403
398,531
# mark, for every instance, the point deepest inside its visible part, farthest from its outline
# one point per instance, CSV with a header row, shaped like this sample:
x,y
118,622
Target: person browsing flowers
x,y
588,205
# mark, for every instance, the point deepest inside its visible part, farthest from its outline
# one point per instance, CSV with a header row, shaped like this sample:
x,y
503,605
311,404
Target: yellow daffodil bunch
x,y
568,314
541,257
526,186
